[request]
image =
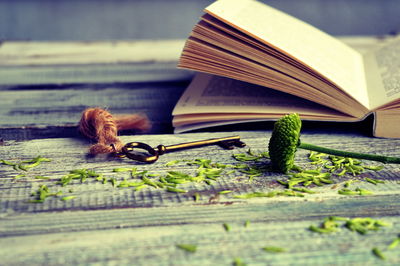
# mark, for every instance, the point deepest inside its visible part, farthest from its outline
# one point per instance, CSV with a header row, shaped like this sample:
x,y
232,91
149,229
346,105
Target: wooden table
x,y
99,221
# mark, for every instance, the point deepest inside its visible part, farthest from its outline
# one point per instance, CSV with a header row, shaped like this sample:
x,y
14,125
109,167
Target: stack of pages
x,y
257,63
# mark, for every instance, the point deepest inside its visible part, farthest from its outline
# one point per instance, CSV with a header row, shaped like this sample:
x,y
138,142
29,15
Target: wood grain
x,y
44,86
28,113
111,225
42,95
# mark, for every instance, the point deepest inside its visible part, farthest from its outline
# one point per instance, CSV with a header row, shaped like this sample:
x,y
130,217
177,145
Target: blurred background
x,y
87,20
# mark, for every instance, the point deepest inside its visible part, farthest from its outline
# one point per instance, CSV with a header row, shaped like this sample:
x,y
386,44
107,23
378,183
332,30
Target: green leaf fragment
x,y
357,191
364,192
304,190
42,193
227,227
113,181
349,182
249,156
256,195
238,262
273,249
149,182
196,196
225,192
26,164
347,192
138,188
363,225
37,159
7,163
378,253
187,247
270,194
374,181
118,170
68,198
171,163
340,165
337,218
374,168
394,243
322,230
202,163
178,175
307,177
36,201
21,167
176,190
329,225
42,177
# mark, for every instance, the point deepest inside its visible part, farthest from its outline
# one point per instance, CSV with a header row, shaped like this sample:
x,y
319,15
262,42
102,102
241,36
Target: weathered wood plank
x,y
85,53
71,154
112,225
271,210
45,86
36,63
55,112
156,245
76,74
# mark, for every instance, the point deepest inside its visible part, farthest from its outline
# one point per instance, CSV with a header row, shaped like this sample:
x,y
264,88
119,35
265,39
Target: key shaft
x,y
153,153
225,142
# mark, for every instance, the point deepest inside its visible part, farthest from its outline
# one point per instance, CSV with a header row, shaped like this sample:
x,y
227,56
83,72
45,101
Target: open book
x,y
265,63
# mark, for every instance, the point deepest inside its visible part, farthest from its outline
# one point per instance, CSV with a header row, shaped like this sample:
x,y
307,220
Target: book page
x,y
382,66
215,94
323,53
214,100
387,123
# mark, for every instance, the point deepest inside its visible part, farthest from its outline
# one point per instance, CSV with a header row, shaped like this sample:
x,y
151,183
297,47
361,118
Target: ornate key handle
x,y
128,151
131,150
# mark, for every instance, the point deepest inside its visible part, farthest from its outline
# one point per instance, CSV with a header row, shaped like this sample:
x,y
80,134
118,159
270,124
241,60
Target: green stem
x,y
371,157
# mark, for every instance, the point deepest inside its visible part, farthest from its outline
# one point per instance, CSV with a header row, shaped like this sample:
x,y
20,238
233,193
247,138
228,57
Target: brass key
x,y
129,149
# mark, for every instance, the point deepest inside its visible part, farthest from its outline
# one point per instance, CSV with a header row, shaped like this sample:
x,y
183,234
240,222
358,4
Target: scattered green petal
x,y
227,227
171,163
246,223
272,249
225,192
363,192
374,181
347,192
117,170
374,168
378,253
176,190
196,196
68,198
7,163
250,156
149,182
187,247
304,190
256,195
238,262
394,243
41,177
138,188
